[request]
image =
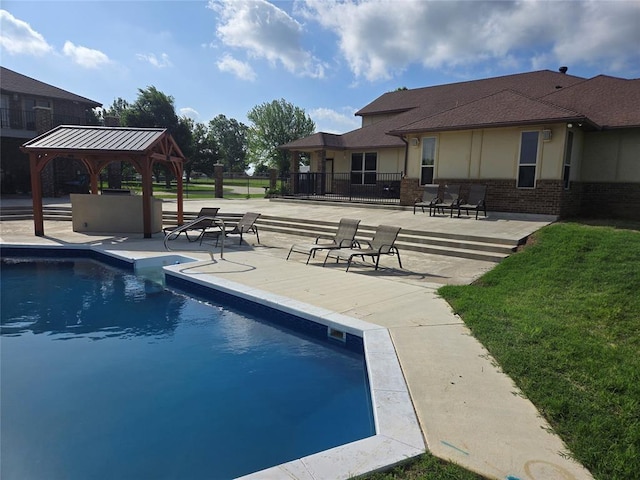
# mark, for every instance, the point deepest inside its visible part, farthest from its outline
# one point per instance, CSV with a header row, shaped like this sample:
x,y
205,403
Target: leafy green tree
x,y
231,138
204,151
275,124
152,108
155,109
117,108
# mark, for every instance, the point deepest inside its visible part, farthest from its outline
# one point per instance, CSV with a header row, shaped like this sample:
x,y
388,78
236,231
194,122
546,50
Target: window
x,y
4,112
567,160
528,159
363,168
428,160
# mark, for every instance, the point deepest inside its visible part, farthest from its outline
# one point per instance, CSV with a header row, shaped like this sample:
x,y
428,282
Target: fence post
x,y
218,169
273,177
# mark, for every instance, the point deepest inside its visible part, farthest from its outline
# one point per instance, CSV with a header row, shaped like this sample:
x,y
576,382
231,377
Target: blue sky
x,y
330,58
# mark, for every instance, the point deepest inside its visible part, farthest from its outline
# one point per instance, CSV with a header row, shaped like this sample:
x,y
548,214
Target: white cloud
x,y
17,37
151,58
381,38
332,121
265,31
83,56
189,112
240,69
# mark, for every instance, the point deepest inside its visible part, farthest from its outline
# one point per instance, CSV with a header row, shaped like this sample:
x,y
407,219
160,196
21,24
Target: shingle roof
x,y
527,98
500,109
103,139
11,81
609,102
445,97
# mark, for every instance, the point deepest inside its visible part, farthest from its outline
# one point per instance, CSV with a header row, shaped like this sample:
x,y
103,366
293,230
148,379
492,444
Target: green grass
x,y
562,318
426,467
197,189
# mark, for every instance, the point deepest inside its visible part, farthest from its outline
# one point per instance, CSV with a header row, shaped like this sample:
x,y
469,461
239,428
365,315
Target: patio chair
x,y
382,243
245,225
429,199
450,199
475,200
344,238
200,226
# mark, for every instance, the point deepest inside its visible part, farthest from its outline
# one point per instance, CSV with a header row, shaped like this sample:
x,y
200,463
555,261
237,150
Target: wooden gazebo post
x,y
36,195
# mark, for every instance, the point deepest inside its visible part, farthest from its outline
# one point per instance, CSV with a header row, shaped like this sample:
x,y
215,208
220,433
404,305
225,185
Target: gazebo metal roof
x,y
96,147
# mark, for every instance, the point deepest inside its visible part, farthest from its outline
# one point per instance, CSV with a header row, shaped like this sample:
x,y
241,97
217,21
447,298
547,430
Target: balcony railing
x,y
346,187
26,119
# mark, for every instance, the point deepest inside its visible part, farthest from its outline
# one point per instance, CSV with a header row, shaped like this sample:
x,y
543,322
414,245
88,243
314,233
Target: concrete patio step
x,y
492,249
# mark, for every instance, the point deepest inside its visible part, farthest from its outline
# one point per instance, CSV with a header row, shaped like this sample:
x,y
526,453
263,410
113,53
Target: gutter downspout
x,y
406,154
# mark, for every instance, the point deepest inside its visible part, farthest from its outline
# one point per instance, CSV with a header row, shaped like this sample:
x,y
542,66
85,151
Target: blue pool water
x,y
106,376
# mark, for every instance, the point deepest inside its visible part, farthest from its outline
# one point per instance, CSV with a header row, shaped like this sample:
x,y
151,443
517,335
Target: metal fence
x,y
345,187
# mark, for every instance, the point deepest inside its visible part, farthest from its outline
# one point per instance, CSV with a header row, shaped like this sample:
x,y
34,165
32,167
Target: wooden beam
x,y
36,195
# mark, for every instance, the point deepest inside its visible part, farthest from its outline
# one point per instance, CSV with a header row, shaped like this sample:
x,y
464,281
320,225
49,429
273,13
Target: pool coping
x,y
398,434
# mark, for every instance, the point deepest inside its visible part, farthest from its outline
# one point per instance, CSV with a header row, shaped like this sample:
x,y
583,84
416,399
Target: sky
x,y
330,58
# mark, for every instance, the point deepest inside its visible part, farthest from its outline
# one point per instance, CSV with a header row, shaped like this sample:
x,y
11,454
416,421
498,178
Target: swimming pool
x,y
398,434
104,375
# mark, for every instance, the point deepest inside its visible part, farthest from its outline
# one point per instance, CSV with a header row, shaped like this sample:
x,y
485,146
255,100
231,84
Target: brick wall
x,y
549,197
619,200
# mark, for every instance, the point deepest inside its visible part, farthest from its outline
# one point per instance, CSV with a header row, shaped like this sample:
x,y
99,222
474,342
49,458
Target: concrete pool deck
x,y
468,410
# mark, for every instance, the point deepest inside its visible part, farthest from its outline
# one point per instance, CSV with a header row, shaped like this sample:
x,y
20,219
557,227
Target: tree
x,y
231,138
204,151
275,124
154,109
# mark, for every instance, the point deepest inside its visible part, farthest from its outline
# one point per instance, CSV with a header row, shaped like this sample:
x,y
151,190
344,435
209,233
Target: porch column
x,y
323,171
295,170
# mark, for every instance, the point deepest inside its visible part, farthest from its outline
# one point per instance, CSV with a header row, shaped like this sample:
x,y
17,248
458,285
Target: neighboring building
x,y
543,142
29,108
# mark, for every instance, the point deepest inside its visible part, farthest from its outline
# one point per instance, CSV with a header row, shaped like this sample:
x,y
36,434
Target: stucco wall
x,y
113,213
611,156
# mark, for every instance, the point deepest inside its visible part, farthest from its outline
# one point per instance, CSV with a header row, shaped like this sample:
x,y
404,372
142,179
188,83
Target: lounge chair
x,y
200,226
245,225
382,243
475,200
450,199
344,238
429,199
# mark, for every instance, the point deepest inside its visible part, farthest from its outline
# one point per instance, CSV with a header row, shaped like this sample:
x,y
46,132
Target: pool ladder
x,y
218,222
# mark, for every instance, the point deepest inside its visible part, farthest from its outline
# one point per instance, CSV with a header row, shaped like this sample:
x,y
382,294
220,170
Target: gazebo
x,y
95,148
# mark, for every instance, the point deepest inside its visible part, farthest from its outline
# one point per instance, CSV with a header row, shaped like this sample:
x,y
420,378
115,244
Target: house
x,y
543,142
29,108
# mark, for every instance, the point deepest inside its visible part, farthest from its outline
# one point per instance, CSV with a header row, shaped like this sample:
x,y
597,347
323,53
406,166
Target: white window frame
x,y
566,167
428,163
526,163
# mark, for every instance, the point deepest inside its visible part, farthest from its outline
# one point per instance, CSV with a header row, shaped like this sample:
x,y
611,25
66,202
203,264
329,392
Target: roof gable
x,y
15,82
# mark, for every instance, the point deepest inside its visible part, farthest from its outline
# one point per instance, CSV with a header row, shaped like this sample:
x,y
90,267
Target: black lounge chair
x,y
200,226
344,238
429,199
245,225
382,243
475,200
450,199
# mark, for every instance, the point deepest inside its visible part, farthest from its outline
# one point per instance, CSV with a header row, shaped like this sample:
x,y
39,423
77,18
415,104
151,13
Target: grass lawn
x,y
562,318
